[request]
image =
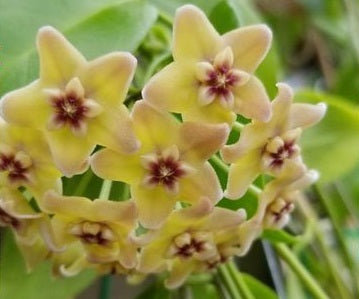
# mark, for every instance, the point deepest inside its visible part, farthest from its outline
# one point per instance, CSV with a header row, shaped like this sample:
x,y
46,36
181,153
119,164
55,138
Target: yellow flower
x,y
77,104
25,160
170,166
192,239
265,147
211,78
102,227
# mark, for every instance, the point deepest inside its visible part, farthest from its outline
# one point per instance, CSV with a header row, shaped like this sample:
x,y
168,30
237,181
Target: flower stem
x,y
228,280
105,189
238,127
307,279
81,187
105,287
239,280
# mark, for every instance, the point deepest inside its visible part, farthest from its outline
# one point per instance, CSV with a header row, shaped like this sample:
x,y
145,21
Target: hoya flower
x,y
211,78
276,202
77,104
170,165
25,161
265,147
191,240
101,226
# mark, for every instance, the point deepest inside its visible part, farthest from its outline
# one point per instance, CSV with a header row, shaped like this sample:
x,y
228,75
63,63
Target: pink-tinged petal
x,y
250,45
242,173
15,106
174,88
213,113
281,106
222,218
203,183
115,166
59,60
252,137
128,254
70,153
108,78
306,115
154,128
154,205
180,270
194,37
199,141
114,129
252,101
248,232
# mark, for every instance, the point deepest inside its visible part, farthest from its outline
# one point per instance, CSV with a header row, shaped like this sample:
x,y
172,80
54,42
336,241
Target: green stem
x,y
216,160
238,126
307,279
125,194
105,189
105,287
228,280
239,280
81,187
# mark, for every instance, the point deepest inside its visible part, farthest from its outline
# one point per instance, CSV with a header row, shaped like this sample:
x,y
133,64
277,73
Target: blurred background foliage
x,y
315,49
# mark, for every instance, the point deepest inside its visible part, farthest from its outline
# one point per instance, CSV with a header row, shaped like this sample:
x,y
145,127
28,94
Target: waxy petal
x,y
115,166
203,183
154,128
154,205
173,88
194,37
250,45
70,153
252,101
242,173
199,141
15,106
181,269
59,60
306,115
108,78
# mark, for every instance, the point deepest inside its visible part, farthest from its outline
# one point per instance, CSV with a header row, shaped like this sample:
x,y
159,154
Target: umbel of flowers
x,y
171,224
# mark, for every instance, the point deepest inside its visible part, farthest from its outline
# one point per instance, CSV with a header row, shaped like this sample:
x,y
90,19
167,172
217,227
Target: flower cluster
x,y
51,128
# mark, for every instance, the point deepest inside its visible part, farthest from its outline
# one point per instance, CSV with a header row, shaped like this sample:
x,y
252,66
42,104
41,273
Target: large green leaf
x,y
95,27
170,6
16,283
332,145
259,289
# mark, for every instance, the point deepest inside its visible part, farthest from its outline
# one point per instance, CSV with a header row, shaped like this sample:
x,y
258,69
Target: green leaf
x,y
169,7
259,289
332,145
223,17
279,235
16,283
207,291
155,291
94,28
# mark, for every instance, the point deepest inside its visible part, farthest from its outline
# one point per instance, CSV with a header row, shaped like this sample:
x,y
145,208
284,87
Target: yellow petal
x,y
152,258
203,183
306,115
221,219
181,269
108,78
194,37
174,88
114,129
115,166
59,60
242,173
250,45
154,205
154,128
199,141
252,101
70,153
213,113
15,106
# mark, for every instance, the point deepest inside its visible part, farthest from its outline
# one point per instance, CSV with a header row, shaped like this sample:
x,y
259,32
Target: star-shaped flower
x,y
102,227
265,147
77,104
170,166
25,161
191,240
211,78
